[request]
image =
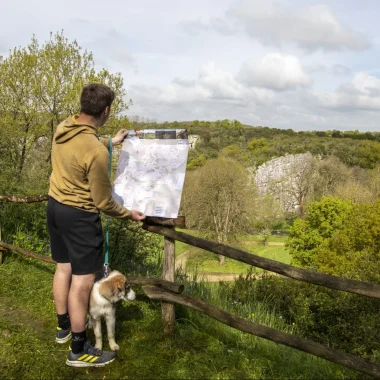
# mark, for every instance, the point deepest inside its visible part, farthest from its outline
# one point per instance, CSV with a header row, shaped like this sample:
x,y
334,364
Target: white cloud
x,y
338,69
217,24
275,71
4,48
126,59
220,83
212,85
215,94
310,27
184,82
175,95
363,93
194,27
165,74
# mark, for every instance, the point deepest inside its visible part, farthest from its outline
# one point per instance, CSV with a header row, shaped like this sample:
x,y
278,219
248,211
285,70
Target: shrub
x,y
344,321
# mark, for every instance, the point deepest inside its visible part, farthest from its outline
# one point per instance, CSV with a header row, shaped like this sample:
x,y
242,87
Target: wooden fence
x,y
169,293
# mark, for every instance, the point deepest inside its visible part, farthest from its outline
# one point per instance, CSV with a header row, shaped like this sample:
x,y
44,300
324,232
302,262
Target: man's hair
x,y
95,98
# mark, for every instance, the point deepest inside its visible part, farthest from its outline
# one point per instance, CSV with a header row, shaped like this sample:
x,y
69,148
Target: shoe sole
x,y
63,340
75,363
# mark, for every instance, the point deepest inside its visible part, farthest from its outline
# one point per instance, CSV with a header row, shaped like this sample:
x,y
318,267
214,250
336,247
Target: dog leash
x,y
106,264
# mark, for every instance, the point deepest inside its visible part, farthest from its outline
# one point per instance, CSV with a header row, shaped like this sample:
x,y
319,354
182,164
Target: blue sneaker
x,y
90,357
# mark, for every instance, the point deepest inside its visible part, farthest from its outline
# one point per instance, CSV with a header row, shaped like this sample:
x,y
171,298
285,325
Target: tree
x,y
355,191
218,200
330,173
296,183
234,152
40,86
323,220
267,212
374,181
258,150
353,250
20,121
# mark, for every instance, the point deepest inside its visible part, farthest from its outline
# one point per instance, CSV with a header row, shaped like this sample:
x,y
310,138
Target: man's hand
x,y
120,136
137,216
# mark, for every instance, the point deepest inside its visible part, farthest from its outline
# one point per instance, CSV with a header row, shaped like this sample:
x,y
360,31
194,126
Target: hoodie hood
x,y
69,128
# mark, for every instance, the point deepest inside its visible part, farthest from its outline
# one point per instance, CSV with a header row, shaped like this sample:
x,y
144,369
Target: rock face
x,y
193,140
286,179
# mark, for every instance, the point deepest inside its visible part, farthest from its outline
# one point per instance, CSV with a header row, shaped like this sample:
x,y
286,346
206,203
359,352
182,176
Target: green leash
x,y
106,264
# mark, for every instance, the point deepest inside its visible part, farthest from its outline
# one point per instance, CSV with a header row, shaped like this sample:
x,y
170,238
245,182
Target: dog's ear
x,y
120,282
107,289
112,286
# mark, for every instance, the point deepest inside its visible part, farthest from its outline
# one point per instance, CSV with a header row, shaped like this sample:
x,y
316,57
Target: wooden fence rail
x,y
28,199
347,360
344,284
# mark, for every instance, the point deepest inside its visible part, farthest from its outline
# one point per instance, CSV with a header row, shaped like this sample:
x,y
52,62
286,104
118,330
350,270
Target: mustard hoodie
x,y
80,170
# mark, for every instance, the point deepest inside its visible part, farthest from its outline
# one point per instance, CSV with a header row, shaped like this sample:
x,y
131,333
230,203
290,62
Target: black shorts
x,y
76,237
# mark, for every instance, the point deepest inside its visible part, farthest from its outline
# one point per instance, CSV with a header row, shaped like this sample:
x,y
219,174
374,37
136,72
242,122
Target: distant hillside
x,y
254,145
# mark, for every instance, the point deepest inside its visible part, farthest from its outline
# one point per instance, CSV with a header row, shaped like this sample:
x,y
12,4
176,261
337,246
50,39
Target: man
x,y
79,189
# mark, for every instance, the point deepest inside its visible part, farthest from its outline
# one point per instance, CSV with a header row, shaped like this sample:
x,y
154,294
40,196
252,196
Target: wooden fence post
x,y
168,272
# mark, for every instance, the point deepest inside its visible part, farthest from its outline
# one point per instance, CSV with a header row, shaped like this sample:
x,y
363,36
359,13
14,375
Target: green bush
x,y
133,250
344,321
24,225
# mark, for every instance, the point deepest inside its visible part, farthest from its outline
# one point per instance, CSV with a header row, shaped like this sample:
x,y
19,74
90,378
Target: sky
x,y
304,65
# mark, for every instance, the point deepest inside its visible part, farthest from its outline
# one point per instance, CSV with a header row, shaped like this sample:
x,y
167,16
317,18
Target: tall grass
x,y
276,361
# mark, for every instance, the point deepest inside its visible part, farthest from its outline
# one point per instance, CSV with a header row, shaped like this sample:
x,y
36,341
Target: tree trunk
x,y
22,159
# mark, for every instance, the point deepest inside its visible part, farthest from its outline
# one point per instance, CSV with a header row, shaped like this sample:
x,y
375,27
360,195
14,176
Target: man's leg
x,y
61,287
82,353
79,297
62,276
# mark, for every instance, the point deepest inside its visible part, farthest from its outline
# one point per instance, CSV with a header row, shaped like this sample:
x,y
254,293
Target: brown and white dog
x,y
104,295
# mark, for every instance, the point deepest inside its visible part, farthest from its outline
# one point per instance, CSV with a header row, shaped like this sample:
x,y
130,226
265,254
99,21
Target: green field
x,y
203,261
182,247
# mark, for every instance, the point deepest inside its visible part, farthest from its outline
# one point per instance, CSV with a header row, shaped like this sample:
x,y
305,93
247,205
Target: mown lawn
x,y
249,243
204,261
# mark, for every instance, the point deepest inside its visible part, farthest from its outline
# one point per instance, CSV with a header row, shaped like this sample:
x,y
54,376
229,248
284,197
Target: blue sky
x,y
305,65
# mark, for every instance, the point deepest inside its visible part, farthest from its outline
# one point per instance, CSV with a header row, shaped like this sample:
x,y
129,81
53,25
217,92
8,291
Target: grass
x,y
183,247
243,242
205,262
201,348
273,252
271,238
